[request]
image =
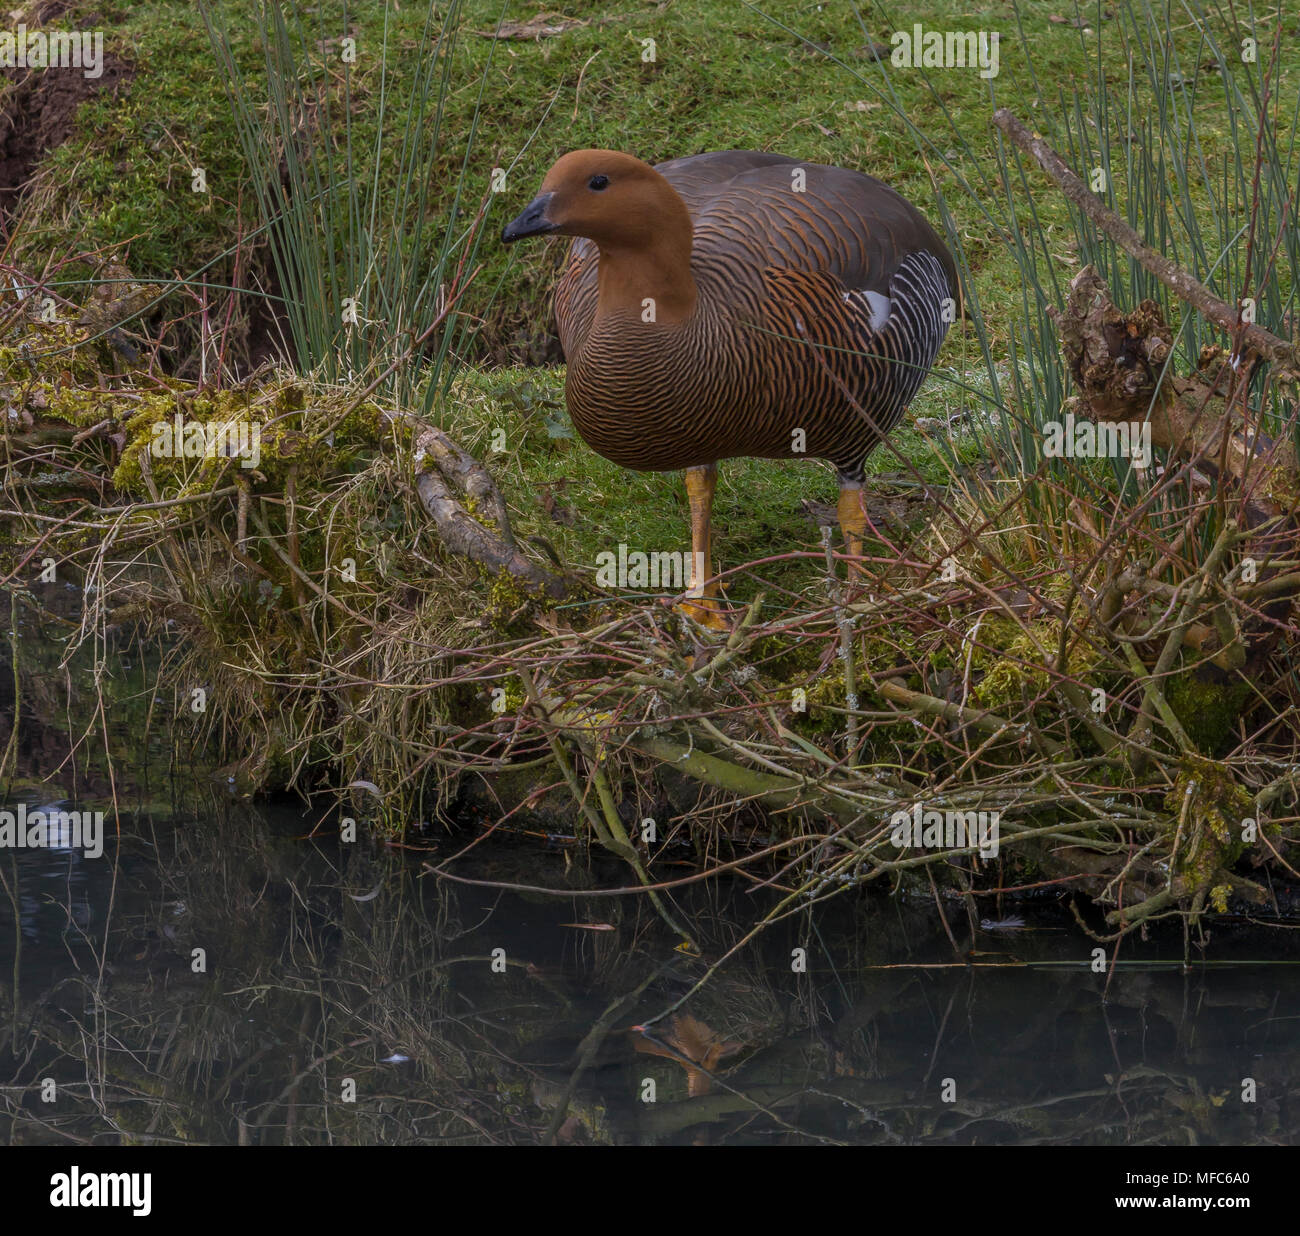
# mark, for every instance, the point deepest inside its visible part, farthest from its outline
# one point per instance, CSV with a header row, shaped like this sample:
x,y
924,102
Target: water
x,y
346,996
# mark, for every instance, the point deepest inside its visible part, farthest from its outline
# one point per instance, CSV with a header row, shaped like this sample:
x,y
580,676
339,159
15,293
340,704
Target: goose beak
x,y
531,222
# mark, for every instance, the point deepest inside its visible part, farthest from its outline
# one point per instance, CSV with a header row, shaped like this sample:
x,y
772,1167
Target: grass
x,y
757,509
124,179
370,273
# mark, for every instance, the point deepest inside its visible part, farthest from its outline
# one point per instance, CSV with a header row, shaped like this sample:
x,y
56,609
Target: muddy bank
x,y
38,105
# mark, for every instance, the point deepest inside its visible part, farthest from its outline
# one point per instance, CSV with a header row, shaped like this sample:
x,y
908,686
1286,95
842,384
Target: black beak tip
x,y
531,221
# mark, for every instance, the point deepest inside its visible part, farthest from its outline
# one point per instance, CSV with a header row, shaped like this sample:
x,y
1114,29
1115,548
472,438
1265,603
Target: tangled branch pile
x,y
1088,659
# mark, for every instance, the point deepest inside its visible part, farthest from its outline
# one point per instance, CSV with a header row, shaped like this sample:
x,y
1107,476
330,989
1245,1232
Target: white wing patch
x,y
877,305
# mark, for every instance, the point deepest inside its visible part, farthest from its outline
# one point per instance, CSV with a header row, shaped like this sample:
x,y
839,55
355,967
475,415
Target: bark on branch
x,y
1117,361
447,468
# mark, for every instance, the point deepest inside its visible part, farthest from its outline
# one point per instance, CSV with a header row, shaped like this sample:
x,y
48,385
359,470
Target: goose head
x,y
612,198
636,219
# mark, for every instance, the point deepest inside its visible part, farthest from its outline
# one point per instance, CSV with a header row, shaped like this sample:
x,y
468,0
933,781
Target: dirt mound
x,y
38,110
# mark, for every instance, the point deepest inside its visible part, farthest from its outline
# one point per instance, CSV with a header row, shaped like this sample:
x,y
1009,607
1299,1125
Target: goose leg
x,y
853,523
703,606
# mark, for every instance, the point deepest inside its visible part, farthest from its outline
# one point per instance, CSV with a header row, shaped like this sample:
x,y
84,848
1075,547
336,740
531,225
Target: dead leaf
x,y
550,621
873,51
560,513
590,926
1084,520
543,26
697,1048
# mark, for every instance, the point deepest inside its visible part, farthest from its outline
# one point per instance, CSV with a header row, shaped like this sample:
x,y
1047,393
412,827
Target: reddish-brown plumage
x,y
739,303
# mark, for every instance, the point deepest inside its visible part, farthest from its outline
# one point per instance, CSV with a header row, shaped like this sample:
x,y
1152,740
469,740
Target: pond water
x,y
344,995
226,972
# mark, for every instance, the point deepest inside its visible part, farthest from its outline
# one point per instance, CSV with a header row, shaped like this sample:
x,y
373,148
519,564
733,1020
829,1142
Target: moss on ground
x,y
1207,809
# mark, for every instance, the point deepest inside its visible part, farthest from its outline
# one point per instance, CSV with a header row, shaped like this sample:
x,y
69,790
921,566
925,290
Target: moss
x,y
1207,710
511,602
825,699
285,442
827,690
80,406
475,511
786,659
1206,809
515,696
1010,664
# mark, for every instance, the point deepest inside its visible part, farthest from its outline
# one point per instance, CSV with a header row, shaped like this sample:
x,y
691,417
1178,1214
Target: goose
x,y
739,304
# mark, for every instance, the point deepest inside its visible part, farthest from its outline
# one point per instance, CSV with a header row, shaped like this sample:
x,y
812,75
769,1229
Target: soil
x,y
38,109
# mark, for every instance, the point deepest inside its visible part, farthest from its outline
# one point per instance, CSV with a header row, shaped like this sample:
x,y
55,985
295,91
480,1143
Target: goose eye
x,y
598,182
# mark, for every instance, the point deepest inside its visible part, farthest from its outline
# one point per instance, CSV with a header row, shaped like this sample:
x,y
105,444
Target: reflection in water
x,y
226,978
53,884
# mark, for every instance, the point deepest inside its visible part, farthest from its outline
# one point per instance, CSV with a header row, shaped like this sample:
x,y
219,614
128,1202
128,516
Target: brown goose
x,y
739,303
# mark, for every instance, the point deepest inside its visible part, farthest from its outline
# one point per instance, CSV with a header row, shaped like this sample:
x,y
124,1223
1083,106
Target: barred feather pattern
x,y
813,330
